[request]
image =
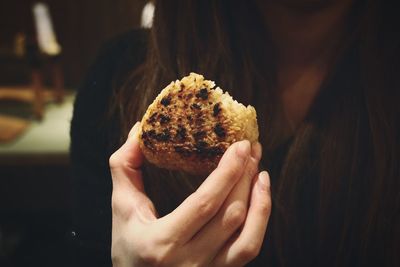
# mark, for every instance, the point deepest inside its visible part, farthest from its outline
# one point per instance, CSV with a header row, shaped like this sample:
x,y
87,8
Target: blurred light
x,y
45,34
147,15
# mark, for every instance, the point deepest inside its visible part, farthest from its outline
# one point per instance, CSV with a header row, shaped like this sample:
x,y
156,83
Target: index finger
x,y
186,220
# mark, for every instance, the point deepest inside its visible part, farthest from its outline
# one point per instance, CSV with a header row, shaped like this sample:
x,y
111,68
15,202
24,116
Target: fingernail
x,y
263,181
243,149
256,150
134,129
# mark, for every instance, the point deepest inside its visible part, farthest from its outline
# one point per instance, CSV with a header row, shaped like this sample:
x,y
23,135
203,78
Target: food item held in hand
x,y
191,123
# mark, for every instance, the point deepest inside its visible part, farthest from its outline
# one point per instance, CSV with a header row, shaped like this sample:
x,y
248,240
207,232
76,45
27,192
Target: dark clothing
x,y
94,138
90,150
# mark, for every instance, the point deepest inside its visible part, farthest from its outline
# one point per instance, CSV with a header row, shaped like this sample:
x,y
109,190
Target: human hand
x,y
221,224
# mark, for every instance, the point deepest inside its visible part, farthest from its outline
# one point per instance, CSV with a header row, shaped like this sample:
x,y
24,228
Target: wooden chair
x,y
35,92
40,51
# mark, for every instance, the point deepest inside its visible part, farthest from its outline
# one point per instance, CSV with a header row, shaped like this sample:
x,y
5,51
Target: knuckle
x,y
234,216
114,160
249,251
151,253
265,206
118,162
151,259
145,252
206,205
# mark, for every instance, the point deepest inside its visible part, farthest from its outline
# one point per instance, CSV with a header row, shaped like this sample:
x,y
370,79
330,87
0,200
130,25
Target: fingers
x,y
128,195
186,220
248,244
232,213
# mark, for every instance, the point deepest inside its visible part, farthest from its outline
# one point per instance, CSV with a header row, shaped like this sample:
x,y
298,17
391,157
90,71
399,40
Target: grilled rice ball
x,y
191,123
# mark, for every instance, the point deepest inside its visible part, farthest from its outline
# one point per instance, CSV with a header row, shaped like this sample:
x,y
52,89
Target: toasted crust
x,y
191,123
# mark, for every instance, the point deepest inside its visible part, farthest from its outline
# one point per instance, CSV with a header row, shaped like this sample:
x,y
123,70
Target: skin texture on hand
x,y
223,223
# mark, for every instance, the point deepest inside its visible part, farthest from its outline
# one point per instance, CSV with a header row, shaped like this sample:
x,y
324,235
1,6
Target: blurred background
x,y
46,48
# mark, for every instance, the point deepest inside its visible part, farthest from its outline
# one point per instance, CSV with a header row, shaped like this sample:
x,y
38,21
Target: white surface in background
x,y
44,29
147,15
49,136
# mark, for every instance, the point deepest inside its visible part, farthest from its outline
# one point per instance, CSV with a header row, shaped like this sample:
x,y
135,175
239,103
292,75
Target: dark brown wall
x,y
81,27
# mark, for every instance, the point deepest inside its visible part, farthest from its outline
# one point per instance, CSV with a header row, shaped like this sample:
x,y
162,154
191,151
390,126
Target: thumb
x,y
128,196
129,154
125,163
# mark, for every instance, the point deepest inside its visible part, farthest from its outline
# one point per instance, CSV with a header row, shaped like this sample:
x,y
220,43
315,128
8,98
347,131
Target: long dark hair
x,y
336,194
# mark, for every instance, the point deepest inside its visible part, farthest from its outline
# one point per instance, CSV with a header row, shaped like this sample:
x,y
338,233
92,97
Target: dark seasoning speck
x,y
203,94
216,109
163,136
181,133
203,150
199,135
164,119
166,101
182,150
152,118
219,130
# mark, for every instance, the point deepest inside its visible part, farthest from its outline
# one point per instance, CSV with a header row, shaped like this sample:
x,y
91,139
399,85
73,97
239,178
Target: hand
x,y
221,224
